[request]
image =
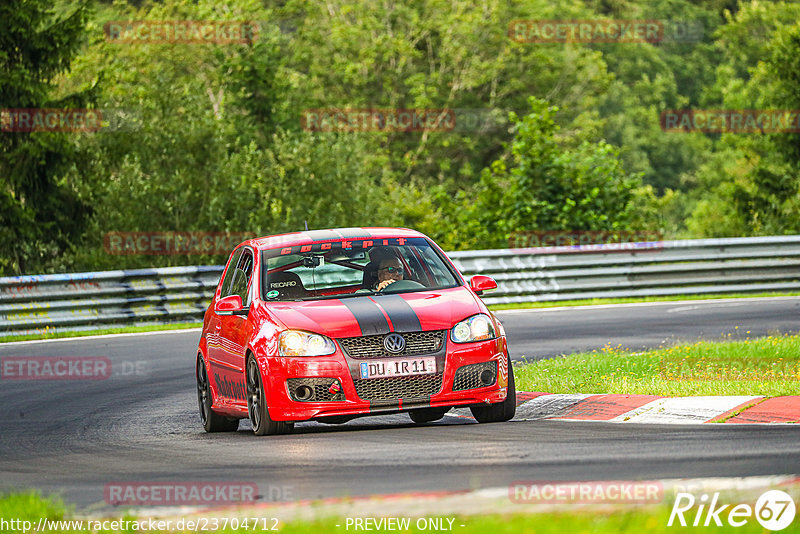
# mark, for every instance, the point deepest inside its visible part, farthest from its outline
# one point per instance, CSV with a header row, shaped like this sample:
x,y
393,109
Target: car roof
x,y
333,234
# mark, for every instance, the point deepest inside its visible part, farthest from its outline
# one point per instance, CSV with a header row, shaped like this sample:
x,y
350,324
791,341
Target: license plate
x,y
385,368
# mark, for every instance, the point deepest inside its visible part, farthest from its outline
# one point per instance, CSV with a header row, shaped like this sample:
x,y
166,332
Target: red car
x,y
328,325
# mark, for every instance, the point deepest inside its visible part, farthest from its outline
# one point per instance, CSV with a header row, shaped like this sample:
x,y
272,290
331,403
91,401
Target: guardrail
x,y
88,301
658,268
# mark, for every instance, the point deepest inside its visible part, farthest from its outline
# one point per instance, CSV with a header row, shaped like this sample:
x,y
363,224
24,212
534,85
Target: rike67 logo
x,y
774,510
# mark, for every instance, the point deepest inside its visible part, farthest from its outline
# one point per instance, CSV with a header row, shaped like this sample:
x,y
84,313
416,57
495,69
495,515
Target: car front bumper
x,y
403,394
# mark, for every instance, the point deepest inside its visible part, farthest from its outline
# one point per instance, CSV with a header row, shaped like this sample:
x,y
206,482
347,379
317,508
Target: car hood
x,y
379,314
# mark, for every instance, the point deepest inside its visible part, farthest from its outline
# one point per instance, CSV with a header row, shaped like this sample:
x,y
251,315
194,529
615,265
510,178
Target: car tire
x,y
427,415
500,411
263,425
212,422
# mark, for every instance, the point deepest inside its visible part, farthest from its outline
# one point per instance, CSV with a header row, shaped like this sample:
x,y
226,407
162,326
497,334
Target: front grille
x,y
372,346
406,387
320,387
469,376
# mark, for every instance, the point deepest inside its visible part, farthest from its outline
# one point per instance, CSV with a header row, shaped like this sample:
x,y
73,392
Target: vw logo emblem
x,y
394,343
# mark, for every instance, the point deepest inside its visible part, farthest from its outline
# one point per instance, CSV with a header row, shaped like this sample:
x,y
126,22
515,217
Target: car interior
x,y
289,284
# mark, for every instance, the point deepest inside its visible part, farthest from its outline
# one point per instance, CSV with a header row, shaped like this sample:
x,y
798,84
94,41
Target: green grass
x,y
605,520
117,330
768,366
672,298
646,520
30,506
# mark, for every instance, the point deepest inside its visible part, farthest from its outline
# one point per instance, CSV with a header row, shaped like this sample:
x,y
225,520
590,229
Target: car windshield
x,y
347,268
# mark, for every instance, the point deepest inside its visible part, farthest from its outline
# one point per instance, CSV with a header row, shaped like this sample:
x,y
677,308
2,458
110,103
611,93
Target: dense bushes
x,y
209,137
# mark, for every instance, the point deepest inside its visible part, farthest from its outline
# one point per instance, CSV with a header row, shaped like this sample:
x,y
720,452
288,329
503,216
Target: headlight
x,y
475,328
298,343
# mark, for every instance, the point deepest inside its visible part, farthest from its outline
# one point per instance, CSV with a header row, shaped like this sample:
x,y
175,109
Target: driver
x,y
390,270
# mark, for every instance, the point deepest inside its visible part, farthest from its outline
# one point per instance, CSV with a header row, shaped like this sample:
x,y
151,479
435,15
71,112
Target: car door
x,y
214,323
233,332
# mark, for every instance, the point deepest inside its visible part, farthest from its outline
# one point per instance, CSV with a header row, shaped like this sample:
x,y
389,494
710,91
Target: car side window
x,y
242,275
232,263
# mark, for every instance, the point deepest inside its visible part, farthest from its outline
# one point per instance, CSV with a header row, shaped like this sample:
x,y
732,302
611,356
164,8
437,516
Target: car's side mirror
x,y
480,283
230,305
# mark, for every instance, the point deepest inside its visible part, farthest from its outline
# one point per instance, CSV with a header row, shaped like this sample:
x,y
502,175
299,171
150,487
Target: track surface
x,y
74,437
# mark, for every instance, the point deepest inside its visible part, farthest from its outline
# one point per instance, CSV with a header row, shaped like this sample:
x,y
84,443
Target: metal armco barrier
x,y
88,301
658,268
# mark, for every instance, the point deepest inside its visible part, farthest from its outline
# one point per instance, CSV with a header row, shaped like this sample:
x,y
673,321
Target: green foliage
x,y
208,137
651,78
31,506
751,185
429,54
40,214
208,145
256,85
549,185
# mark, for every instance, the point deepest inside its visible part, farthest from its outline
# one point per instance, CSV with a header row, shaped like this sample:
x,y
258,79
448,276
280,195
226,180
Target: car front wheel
x,y
500,411
257,405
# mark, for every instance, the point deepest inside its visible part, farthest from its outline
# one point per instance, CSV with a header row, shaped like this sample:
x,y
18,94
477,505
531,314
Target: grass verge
x,y
117,330
768,366
651,519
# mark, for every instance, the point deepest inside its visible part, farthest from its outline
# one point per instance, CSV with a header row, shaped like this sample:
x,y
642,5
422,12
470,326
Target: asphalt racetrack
x,y
141,424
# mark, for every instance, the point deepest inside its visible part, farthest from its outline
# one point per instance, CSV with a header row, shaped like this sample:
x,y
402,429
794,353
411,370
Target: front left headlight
x,y
299,343
476,328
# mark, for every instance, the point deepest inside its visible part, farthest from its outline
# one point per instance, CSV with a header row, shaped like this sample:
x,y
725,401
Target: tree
x,y
652,78
208,146
550,185
39,212
429,54
754,178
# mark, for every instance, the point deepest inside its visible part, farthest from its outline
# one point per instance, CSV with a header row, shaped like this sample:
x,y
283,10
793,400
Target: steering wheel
x,y
402,285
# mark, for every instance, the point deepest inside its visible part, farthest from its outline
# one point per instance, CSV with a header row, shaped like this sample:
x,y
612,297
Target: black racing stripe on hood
x,y
369,316
402,315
